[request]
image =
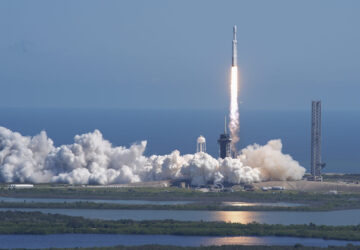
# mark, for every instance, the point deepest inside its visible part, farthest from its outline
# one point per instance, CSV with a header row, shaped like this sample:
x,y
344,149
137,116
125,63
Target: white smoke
x,y
271,162
93,160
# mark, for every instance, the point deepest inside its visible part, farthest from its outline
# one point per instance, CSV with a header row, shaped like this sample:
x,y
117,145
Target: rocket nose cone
x,y
234,29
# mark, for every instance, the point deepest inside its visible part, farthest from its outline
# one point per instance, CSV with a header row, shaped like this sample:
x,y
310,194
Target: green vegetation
x,y
204,201
226,247
77,192
311,201
192,206
38,223
170,193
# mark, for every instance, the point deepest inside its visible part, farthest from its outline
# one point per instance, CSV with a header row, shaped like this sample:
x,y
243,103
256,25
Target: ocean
x,y
167,130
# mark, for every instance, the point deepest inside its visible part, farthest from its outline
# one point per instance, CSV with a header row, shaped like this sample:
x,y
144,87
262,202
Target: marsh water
x,y
343,217
267,204
142,202
98,240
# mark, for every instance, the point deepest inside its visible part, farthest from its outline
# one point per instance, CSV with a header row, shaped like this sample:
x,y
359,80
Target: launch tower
x,y
225,144
316,164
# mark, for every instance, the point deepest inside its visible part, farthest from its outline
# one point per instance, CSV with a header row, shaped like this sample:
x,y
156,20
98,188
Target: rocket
x,y
234,48
234,105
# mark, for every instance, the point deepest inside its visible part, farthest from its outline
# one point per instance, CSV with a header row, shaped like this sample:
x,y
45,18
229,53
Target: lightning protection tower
x,y
316,164
201,144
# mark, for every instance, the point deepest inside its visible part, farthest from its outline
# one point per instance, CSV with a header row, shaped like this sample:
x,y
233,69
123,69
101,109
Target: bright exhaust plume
x,y
234,124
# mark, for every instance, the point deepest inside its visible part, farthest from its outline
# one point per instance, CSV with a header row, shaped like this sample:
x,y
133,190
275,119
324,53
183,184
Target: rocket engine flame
x,y
234,106
234,125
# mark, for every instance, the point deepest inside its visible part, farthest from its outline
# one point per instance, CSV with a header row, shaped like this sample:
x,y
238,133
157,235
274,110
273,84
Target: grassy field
x,y
39,223
169,193
196,206
204,201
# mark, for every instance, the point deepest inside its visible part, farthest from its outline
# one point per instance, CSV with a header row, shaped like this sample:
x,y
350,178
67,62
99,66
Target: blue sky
x,y
177,54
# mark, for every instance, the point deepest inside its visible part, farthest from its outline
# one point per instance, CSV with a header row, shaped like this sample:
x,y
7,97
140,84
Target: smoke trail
x,y
234,125
93,160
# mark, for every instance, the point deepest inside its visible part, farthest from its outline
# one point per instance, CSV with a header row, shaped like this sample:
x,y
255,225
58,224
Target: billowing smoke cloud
x,y
93,160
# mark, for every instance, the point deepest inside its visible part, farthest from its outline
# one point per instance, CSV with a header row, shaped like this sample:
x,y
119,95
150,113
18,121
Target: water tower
x,y
201,144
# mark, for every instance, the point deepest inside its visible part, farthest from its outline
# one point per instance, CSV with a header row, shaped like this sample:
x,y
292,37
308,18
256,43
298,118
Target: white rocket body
x,y
234,48
234,124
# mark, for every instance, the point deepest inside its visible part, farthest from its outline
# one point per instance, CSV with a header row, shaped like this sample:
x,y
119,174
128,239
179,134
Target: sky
x,y
134,54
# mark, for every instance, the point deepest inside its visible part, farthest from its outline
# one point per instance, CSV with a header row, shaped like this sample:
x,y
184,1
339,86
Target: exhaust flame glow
x,y
234,109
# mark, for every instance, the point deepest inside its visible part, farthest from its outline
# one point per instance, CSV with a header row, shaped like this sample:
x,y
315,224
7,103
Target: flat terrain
x,y
311,186
311,200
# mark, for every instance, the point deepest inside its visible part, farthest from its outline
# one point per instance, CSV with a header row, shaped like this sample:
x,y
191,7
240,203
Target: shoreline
x,y
40,223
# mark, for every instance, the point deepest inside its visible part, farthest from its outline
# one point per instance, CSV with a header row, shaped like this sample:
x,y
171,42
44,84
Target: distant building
x,y
316,164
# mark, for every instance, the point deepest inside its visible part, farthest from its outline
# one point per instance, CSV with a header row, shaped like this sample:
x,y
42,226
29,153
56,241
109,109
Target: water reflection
x,y
275,204
343,217
234,216
102,240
